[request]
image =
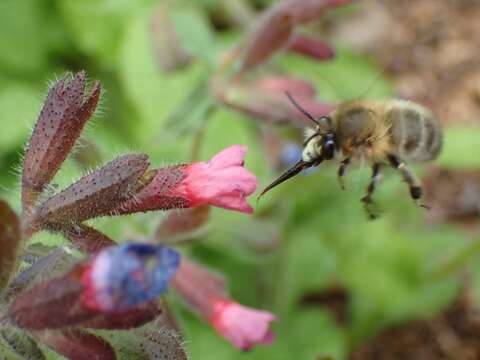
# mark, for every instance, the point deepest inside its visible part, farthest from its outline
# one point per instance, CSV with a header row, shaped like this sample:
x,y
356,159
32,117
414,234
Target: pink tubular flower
x,y
206,293
242,326
221,182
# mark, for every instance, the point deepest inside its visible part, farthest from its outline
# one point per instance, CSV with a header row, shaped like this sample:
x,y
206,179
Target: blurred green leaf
x,y
195,34
19,106
460,147
98,25
24,37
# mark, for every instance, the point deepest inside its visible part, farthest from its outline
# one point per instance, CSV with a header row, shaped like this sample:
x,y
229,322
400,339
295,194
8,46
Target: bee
x,y
378,133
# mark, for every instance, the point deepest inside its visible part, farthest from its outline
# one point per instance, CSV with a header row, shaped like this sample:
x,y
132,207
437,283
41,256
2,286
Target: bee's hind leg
x,y
367,199
341,172
410,178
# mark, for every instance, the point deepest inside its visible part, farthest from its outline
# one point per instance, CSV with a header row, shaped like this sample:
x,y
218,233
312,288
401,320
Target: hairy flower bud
x,y
96,194
63,116
309,47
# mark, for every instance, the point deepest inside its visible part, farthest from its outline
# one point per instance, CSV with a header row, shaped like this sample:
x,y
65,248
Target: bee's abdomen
x,y
416,134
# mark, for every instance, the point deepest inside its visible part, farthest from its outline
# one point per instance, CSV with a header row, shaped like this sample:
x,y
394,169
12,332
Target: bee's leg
x,y
367,199
409,177
341,172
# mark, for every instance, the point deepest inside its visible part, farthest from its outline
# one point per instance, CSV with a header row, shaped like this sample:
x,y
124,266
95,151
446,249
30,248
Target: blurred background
x,y
402,287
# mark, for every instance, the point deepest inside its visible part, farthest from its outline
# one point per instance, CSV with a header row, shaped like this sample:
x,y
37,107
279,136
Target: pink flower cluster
x,y
118,286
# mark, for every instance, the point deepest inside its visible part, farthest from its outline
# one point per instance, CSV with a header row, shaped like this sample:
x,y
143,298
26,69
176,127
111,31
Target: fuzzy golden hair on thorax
x,y
360,129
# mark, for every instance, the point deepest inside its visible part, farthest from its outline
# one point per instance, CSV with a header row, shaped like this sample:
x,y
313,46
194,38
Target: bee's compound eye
x,y
327,151
328,147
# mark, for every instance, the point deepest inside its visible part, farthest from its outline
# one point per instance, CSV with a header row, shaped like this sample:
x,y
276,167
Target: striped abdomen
x,y
415,132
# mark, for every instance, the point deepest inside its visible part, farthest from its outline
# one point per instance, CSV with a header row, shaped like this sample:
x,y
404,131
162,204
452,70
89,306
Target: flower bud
x,y
309,47
63,116
96,194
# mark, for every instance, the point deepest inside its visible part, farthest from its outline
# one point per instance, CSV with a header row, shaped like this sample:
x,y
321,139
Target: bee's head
x,y
328,139
329,146
320,145
321,142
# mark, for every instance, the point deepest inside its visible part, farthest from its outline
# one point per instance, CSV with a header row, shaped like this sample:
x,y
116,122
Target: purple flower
x,y
122,277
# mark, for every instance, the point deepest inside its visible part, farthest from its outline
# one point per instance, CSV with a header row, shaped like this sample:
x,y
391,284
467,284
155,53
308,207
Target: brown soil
x,y
431,48
453,334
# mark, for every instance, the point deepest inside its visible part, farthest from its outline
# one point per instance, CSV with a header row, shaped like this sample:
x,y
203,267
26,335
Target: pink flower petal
x,y
231,156
221,182
242,326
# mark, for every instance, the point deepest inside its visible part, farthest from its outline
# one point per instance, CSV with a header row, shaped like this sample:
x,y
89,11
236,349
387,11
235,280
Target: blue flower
x,y
290,155
122,277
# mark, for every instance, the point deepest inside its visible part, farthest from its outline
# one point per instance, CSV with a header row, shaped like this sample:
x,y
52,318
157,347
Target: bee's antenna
x,y
299,108
294,170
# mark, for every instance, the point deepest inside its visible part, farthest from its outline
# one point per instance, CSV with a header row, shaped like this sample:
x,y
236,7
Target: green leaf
x,y
98,25
20,343
195,34
24,47
460,147
309,333
7,353
19,106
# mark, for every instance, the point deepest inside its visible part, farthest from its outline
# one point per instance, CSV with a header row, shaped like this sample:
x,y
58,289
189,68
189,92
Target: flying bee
x,y
378,133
